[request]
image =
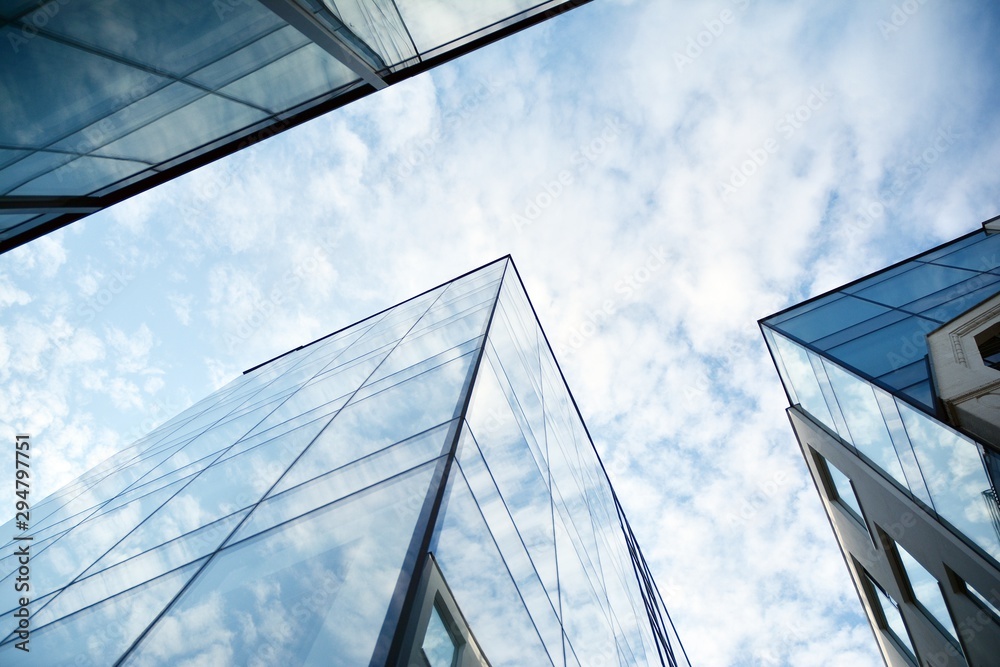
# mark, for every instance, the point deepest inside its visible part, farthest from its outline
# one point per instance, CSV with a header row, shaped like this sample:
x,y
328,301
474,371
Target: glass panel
x,y
522,484
344,481
438,646
800,372
179,131
218,491
909,286
864,419
51,89
510,544
135,571
330,575
978,253
104,631
291,80
893,617
410,407
832,317
251,57
887,349
480,582
437,22
926,590
845,492
177,37
956,478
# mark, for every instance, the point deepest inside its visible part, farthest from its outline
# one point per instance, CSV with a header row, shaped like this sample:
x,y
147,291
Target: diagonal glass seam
x,y
395,624
486,525
623,520
352,53
138,640
517,530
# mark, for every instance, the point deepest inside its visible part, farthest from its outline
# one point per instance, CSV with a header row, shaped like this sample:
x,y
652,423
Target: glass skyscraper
x,y
894,390
415,489
103,99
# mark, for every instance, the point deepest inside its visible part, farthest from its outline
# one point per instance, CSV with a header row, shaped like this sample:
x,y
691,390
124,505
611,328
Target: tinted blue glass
x,y
182,130
920,281
887,349
291,80
53,89
860,329
836,315
956,307
82,176
178,36
981,253
960,296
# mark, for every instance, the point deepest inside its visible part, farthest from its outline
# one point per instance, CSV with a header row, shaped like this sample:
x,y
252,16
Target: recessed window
x,y
984,602
988,343
843,491
892,620
927,591
439,646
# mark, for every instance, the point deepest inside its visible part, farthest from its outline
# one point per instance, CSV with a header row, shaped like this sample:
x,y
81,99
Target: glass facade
x,y
856,360
104,99
282,519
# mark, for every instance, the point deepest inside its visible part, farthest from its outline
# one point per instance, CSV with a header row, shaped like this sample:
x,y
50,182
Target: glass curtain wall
x,y
106,98
856,361
281,519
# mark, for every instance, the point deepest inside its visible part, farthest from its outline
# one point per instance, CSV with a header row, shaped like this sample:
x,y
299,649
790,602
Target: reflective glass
x,y
889,348
312,591
831,317
52,89
182,130
893,617
800,373
291,80
510,544
435,23
956,478
864,420
90,636
927,590
438,645
177,37
480,582
369,425
845,492
341,482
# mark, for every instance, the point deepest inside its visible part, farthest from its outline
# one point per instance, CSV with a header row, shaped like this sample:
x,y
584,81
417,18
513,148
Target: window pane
x,y
438,646
927,590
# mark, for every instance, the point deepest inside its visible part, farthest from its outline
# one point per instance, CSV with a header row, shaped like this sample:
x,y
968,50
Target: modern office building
x,y
104,99
894,387
415,489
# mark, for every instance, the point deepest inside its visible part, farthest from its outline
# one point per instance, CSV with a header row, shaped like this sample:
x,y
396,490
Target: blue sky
x,y
664,174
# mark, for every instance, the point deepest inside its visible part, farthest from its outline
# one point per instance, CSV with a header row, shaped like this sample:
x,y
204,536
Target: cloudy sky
x,y
663,173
